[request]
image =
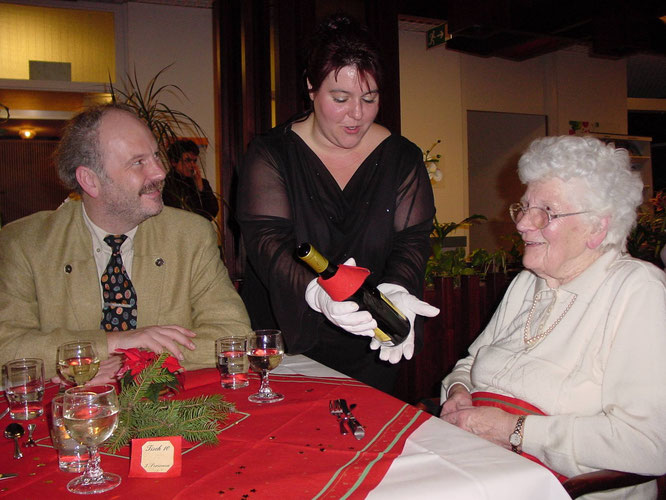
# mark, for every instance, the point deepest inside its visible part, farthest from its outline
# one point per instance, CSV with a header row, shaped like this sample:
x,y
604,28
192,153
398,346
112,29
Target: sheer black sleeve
x,y
414,213
265,217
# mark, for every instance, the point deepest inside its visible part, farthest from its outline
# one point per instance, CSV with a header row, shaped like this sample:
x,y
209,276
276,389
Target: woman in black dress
x,y
336,179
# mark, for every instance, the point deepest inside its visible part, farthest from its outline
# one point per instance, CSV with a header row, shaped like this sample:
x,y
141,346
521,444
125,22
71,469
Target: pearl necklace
x,y
540,333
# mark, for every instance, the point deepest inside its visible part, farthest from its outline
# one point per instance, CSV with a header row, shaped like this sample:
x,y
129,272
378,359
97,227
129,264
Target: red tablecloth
x,y
291,449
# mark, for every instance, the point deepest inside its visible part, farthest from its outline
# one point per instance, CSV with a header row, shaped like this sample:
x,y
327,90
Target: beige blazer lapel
x,y
79,272
83,293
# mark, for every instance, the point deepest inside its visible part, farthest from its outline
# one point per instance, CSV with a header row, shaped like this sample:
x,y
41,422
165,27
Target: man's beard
x,y
130,208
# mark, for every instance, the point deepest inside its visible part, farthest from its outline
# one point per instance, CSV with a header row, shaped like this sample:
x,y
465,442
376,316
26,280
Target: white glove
x,y
410,306
344,314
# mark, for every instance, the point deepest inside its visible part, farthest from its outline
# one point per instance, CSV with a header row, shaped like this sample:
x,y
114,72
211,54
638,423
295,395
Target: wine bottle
x,y
392,326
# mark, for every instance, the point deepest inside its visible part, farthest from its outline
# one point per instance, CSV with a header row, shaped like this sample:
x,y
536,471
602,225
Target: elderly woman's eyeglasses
x,y
540,216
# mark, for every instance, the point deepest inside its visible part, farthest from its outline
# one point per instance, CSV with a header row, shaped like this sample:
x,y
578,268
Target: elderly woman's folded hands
x,y
487,422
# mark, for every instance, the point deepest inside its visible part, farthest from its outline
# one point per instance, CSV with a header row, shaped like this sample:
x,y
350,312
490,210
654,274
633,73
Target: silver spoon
x,y
30,442
15,431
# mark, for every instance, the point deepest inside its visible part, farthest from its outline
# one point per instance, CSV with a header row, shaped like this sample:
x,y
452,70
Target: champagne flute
x,y
77,362
91,415
265,350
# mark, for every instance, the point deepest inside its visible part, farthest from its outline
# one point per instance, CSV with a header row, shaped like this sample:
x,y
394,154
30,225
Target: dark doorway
x,y
652,124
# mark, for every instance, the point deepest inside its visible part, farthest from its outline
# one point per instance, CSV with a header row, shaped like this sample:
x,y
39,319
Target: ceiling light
x,y
27,133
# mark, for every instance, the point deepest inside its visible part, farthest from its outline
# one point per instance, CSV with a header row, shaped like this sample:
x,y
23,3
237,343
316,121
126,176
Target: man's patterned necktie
x,y
119,309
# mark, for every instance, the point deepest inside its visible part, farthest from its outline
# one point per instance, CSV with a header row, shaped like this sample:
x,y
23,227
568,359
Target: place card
x,y
156,457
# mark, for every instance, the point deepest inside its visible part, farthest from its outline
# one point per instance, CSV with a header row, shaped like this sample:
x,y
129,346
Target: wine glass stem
x,y
264,388
93,472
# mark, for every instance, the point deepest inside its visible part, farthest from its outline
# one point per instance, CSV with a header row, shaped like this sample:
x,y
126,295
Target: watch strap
x,y
517,435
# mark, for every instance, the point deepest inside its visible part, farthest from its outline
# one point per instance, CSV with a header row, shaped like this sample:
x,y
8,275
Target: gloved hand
x,y
410,306
344,314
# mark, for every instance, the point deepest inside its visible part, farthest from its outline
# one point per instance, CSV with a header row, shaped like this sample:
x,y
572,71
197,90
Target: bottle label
x,y
384,339
397,311
380,335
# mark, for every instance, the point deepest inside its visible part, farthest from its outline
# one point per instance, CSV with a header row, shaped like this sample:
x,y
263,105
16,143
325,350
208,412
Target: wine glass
x,y
91,415
77,362
265,350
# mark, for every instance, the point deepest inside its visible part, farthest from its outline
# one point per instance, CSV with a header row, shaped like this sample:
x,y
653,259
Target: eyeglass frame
x,y
551,217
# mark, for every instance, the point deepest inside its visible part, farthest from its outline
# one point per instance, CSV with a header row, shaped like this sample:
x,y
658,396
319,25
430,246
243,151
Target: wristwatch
x,y
516,438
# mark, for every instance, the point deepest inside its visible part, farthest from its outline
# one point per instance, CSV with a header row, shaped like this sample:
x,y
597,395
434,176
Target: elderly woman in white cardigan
x,y
571,369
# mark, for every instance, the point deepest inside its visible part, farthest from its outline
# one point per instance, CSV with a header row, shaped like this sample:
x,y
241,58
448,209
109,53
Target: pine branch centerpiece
x,y
144,376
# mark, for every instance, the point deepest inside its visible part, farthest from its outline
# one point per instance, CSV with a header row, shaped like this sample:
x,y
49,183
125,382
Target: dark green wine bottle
x,y
392,326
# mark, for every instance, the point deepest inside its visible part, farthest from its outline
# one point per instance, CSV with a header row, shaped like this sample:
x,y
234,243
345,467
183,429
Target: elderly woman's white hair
x,y
613,188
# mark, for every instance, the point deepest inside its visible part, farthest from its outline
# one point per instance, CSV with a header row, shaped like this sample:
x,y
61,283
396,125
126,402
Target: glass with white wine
x,y
265,350
90,414
77,362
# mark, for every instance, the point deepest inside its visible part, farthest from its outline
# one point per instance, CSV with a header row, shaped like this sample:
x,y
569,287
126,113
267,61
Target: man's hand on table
x,y
155,338
107,370
490,423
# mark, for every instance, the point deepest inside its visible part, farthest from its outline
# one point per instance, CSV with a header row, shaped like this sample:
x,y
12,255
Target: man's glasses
x,y
540,216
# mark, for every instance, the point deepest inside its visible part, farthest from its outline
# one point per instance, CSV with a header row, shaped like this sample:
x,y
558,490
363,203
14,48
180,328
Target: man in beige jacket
x,y
51,262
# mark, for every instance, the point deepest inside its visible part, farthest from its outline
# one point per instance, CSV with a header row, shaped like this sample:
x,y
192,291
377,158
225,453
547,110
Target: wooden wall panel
x,y
28,180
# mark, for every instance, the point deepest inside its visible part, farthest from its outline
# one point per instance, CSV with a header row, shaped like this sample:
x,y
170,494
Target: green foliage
x,y
441,231
448,262
455,263
142,415
196,420
649,236
514,256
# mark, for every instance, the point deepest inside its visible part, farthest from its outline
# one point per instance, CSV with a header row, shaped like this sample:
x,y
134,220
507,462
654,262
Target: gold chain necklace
x,y
541,334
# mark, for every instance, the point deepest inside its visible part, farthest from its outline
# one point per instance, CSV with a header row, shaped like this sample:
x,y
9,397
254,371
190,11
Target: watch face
x,y
514,439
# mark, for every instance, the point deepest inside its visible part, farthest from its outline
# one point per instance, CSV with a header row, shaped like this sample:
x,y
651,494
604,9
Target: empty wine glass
x,y
91,415
265,350
77,362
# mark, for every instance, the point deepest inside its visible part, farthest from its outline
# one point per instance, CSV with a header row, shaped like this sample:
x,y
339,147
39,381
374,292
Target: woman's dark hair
x,y
337,42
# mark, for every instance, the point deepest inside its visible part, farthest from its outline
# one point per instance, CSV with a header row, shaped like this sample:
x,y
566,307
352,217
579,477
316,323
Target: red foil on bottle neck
x,y
346,281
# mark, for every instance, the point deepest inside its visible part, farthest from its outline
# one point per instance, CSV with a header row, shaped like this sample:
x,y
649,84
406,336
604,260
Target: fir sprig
x,y
142,415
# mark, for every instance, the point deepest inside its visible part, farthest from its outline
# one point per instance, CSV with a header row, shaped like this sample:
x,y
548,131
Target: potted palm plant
x,y
165,122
